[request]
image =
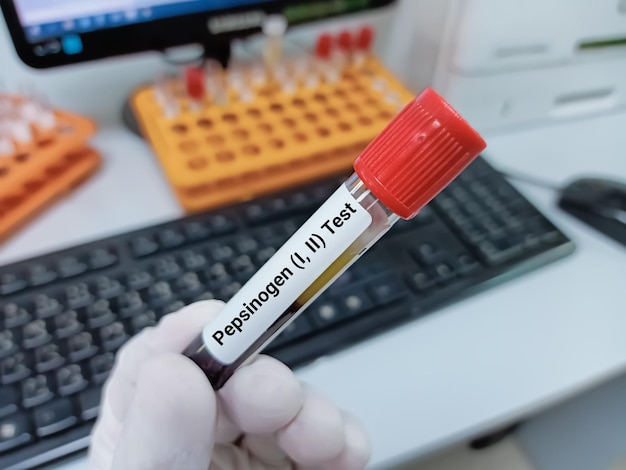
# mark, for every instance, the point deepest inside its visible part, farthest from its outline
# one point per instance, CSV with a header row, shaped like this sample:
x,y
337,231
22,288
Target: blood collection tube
x,y
215,82
345,41
43,119
364,43
195,85
423,149
323,56
164,95
274,29
20,131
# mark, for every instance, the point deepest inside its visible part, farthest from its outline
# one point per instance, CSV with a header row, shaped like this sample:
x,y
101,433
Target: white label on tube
x,y
292,269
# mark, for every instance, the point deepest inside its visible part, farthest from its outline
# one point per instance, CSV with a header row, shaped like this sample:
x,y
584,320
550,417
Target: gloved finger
x,y
232,457
171,421
316,435
266,449
262,397
357,449
172,335
104,437
226,432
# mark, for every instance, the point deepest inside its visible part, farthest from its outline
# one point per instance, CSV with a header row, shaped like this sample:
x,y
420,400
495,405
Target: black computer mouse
x,y
600,203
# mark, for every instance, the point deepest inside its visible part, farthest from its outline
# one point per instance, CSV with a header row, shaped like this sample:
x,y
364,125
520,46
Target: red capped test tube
x,y
419,153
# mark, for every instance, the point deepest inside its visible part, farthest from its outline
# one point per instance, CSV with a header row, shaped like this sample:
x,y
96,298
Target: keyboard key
x,y
221,225
428,253
138,280
424,217
15,316
99,314
498,250
35,334
142,321
345,279
420,281
9,398
166,268
113,336
67,324
46,306
143,246
271,236
160,294
15,431
467,265
257,213
189,286
471,233
89,403
298,201
13,369
101,366
386,290
48,358
35,391
246,245
217,273
325,313
102,258
354,301
54,417
197,231
229,290
220,252
264,255
130,304
277,205
11,283
70,266
70,380
78,295
170,238
8,345
443,273
193,261
81,347
107,288
40,275
242,267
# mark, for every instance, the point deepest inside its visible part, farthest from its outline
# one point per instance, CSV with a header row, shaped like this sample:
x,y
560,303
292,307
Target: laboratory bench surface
x,y
487,361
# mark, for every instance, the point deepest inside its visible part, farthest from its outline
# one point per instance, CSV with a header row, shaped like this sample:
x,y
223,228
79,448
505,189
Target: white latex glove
x,y
159,412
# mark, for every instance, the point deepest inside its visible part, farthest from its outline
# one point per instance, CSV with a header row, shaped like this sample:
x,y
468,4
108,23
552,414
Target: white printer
x,y
509,63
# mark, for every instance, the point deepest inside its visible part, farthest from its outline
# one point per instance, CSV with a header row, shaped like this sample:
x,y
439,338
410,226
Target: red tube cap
x,y
345,41
324,46
194,77
418,154
365,38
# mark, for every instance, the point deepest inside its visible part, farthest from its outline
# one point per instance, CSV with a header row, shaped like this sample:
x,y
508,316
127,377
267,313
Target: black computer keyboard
x,y
64,315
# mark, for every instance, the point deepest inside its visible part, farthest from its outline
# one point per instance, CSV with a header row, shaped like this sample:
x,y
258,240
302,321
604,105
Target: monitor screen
x,y
50,33
43,19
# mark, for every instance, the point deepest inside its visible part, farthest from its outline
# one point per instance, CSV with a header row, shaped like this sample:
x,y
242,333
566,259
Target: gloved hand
x,y
159,412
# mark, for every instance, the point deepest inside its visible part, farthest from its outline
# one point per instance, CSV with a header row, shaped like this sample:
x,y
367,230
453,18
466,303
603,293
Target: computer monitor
x,y
49,33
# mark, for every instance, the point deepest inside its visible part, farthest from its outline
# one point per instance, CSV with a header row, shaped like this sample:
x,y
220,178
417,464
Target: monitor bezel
x,y
141,37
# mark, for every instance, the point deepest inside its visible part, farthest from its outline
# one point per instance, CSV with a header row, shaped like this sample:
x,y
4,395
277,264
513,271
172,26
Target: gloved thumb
x,y
171,421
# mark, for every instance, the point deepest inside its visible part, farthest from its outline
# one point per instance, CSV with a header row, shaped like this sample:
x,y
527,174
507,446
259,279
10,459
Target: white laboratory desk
x,y
490,360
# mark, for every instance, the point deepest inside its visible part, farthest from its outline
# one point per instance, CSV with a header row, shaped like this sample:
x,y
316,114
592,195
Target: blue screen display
x,y
51,18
